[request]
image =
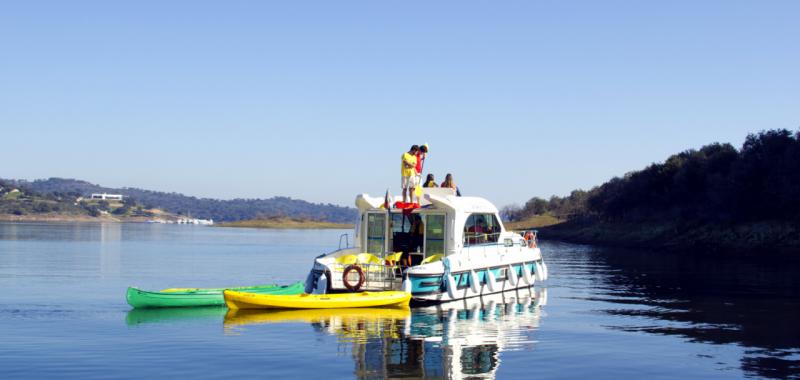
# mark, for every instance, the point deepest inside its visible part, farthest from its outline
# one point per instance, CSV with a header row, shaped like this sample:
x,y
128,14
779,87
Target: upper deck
x,y
434,197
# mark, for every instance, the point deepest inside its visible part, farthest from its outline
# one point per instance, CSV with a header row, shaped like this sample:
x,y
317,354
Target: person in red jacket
x,y
422,153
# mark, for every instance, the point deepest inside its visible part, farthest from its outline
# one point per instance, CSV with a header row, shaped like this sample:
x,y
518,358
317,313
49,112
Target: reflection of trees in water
x,y
753,302
456,340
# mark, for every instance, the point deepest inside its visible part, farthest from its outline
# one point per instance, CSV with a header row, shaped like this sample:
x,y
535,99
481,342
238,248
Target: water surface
x,y
603,314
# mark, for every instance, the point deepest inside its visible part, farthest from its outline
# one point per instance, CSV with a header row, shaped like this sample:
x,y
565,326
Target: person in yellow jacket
x,y
408,173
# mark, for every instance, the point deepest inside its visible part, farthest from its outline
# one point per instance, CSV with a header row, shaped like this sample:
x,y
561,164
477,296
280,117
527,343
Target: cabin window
x,y
434,235
376,233
481,229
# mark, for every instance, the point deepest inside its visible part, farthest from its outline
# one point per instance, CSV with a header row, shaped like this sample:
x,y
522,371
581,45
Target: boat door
x,y
434,234
376,234
420,234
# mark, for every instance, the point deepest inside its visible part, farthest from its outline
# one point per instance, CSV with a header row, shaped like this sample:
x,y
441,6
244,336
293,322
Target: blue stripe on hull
x,y
433,288
428,284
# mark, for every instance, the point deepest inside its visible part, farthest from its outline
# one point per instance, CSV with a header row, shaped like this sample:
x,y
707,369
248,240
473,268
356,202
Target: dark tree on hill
x,y
716,183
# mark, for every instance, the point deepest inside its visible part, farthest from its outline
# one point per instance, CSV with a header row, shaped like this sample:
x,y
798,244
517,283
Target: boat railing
x,y
471,238
346,238
377,276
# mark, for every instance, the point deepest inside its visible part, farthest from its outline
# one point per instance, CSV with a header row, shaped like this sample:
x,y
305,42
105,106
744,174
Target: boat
x,y
244,300
458,248
190,297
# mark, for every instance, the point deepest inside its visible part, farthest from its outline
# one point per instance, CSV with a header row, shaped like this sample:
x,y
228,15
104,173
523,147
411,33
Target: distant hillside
x,y
19,202
714,197
206,208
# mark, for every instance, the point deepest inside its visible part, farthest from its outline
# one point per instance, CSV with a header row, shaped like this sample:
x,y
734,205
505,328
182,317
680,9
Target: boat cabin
x,y
443,225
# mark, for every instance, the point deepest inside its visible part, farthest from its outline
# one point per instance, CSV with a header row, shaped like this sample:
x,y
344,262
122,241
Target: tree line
x,y
221,210
714,184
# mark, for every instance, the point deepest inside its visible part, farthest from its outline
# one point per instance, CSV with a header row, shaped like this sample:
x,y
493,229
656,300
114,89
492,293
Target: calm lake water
x,y
603,314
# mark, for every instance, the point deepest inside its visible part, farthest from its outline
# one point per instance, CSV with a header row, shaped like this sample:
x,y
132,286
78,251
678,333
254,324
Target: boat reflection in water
x,y
459,339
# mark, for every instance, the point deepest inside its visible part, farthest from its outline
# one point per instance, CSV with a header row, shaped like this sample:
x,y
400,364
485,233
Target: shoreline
x,y
285,224
741,239
70,219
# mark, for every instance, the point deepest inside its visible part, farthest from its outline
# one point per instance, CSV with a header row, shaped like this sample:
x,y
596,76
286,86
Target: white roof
x,y
463,204
440,199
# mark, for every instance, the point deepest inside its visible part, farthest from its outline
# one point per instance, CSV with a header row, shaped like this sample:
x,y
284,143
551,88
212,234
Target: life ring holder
x,y
361,277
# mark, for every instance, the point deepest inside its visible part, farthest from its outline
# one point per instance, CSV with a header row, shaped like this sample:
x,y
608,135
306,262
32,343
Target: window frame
x,y
470,222
367,235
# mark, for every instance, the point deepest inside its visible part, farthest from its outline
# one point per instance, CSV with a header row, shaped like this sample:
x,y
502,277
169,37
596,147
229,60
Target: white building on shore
x,y
107,197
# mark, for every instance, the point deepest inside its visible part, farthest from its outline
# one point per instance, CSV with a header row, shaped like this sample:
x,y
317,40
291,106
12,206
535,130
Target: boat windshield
x,y
481,229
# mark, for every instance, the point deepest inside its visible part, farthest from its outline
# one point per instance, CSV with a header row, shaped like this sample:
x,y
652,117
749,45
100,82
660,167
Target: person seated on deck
x,y
450,184
430,182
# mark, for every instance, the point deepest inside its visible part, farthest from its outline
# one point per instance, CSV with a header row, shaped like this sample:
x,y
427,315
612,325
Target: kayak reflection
x,y
174,314
354,324
460,339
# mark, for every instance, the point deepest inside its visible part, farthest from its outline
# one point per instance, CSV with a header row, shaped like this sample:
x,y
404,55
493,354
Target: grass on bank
x,y
285,223
536,221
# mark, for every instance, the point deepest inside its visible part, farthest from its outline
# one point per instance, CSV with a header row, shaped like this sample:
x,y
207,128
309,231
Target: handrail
x,y
479,238
346,241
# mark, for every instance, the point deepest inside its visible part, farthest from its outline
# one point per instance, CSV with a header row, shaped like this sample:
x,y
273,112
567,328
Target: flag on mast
x,y
386,201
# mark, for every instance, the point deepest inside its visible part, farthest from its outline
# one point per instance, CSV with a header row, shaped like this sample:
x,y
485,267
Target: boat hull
x,y
194,297
241,300
441,287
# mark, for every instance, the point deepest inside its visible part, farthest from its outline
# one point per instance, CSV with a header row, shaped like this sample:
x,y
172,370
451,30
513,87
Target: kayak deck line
x,y
242,300
175,297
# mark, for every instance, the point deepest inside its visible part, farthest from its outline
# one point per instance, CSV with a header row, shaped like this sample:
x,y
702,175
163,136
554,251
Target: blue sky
x,y
317,100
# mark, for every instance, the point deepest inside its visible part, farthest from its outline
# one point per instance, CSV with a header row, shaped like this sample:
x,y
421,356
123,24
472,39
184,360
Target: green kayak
x,y
188,297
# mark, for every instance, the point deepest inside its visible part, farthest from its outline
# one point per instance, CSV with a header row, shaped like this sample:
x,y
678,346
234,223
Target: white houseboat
x,y
458,248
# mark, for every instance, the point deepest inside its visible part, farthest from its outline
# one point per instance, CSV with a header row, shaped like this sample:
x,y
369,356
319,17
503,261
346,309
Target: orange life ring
x,y
531,239
347,284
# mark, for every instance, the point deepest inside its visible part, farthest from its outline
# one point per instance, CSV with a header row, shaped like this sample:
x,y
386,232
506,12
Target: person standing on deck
x,y
408,172
422,153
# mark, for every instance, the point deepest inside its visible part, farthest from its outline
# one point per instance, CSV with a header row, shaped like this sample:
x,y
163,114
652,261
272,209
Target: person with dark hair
x,y
430,182
408,172
422,154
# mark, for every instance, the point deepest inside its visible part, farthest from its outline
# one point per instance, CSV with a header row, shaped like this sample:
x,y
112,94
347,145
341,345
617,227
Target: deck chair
x,y
432,258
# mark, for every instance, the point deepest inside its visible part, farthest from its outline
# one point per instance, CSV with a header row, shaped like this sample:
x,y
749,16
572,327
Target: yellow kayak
x,y
241,300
